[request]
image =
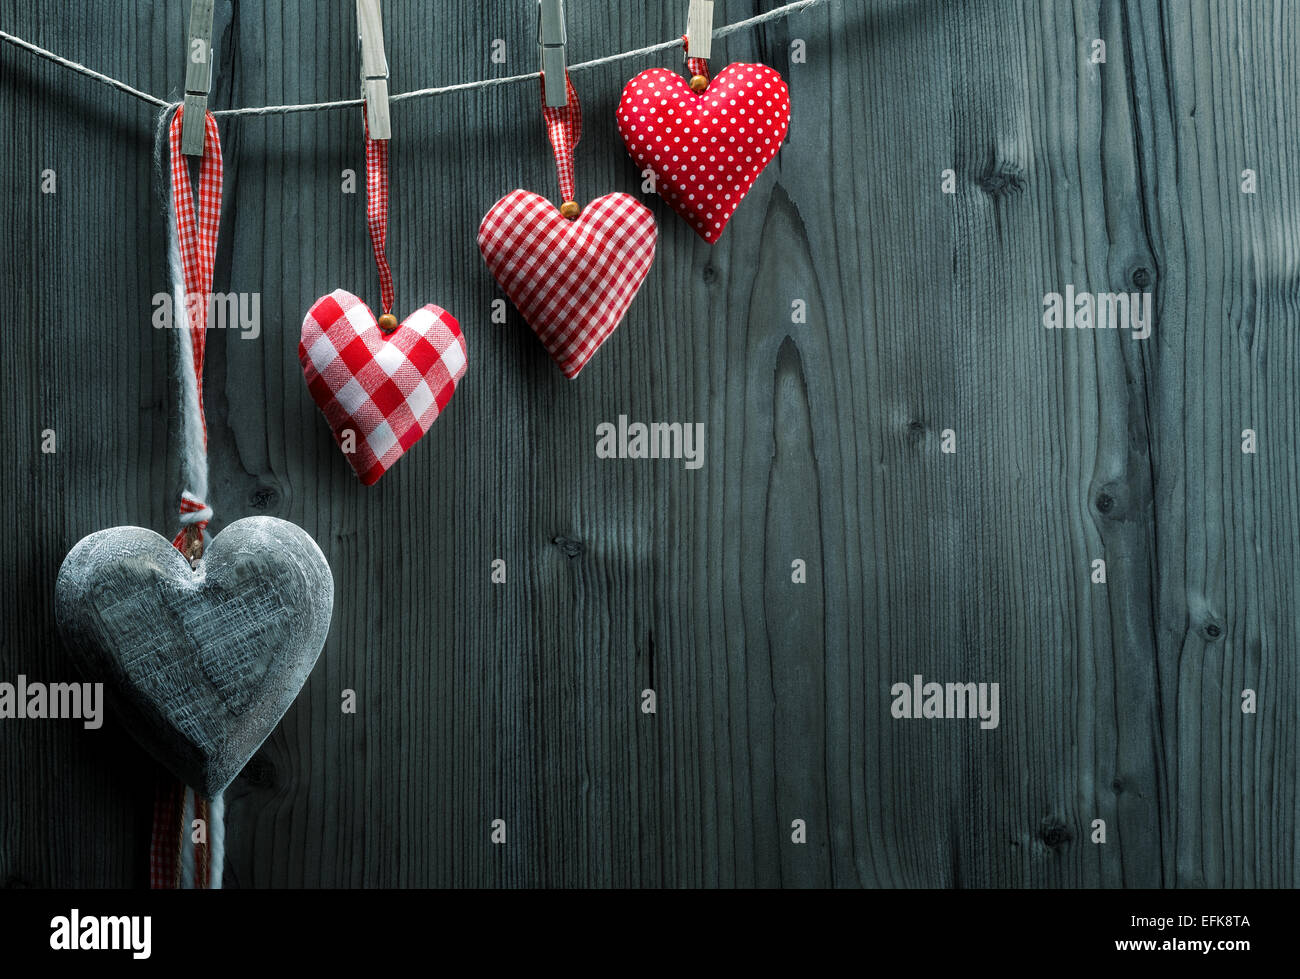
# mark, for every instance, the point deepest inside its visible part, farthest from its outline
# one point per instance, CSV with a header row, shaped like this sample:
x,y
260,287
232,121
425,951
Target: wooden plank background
x,y
823,443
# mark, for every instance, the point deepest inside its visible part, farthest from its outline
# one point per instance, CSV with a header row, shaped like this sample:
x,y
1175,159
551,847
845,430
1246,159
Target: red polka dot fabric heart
x,y
706,149
379,392
572,281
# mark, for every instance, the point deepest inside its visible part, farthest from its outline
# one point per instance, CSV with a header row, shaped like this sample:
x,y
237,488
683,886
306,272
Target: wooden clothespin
x,y
699,29
551,40
198,77
374,69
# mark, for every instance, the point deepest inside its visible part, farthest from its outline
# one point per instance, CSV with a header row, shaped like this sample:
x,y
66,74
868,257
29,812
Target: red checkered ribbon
x,y
196,241
164,862
564,126
202,870
696,66
377,211
175,861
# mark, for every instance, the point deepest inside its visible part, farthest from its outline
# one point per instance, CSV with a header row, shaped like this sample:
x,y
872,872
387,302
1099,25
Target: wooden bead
x,y
699,83
388,322
570,209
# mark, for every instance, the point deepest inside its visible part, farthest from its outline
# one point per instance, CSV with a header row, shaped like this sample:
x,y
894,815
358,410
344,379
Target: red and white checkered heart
x,y
706,149
379,392
572,281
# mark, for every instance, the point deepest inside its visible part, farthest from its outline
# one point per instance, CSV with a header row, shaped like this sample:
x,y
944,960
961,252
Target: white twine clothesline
x,y
266,110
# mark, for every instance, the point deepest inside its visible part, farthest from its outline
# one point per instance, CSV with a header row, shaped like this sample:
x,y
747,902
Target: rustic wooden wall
x,y
521,701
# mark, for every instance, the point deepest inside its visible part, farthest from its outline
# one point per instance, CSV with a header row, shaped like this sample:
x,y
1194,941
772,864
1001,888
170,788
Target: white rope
x,y
193,448
75,66
216,830
216,841
266,110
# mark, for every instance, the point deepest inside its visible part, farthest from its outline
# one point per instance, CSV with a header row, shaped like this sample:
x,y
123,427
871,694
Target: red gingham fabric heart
x,y
705,149
387,388
572,281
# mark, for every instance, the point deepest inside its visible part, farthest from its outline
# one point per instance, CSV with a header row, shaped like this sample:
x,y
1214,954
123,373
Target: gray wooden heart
x,y
199,663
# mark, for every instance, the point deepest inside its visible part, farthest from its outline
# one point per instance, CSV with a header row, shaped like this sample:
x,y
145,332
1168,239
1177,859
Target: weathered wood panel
x,y
823,443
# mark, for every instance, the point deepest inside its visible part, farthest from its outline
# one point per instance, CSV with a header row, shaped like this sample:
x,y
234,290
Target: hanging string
x,y
266,110
164,852
377,210
564,127
176,859
76,66
696,67
193,253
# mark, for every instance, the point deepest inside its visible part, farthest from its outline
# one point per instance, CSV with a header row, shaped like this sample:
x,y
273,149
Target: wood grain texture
x,y
521,701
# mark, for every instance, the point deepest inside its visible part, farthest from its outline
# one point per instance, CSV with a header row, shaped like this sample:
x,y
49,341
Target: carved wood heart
x,y
200,663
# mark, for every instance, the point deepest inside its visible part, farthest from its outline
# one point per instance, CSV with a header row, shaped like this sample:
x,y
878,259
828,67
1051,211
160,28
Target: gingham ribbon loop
x,y
196,243
164,862
377,211
564,127
695,66
194,510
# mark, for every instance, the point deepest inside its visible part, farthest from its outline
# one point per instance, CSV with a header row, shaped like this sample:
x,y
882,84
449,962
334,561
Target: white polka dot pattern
x,y
706,149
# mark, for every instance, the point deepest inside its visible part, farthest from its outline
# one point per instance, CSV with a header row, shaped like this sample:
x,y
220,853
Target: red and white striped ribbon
x,y
696,66
174,859
377,211
196,243
163,857
564,126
